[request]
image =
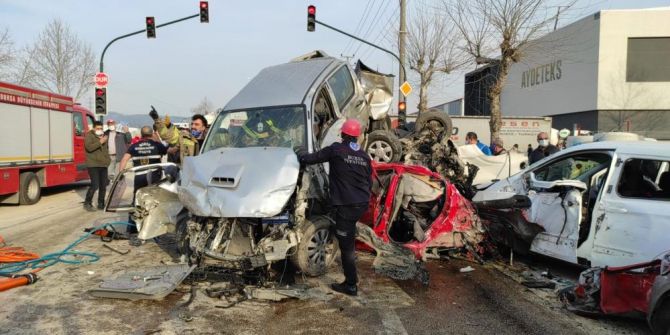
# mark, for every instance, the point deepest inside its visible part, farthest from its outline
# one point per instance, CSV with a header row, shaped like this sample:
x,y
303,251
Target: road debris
x,y
153,283
466,269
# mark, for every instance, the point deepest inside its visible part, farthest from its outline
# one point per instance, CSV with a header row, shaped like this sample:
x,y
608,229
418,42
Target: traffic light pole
x,y
102,56
402,118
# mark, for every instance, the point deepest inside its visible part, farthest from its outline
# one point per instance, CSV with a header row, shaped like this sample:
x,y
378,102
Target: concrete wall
x,y
614,92
557,74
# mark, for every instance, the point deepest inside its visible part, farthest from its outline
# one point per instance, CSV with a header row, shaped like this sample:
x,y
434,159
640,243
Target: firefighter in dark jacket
x,y
350,181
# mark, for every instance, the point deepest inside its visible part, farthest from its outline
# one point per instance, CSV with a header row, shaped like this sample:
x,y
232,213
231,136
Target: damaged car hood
x,y
239,182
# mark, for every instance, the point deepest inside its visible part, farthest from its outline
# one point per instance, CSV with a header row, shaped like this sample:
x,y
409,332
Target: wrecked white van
x,y
597,204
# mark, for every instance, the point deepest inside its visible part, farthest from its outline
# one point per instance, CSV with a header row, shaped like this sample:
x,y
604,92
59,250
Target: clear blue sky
x,y
190,60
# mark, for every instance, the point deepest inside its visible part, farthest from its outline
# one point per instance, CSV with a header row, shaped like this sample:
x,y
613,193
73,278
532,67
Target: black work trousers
x,y
346,217
99,182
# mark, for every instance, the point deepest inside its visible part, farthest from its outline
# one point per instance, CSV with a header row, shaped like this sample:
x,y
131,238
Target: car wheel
x,y
181,235
29,189
660,321
383,146
435,119
317,247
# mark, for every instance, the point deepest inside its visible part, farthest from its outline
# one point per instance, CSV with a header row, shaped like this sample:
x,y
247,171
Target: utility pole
x,y
401,54
558,12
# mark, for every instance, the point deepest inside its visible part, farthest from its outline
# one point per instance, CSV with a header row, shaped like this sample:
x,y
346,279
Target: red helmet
x,y
351,127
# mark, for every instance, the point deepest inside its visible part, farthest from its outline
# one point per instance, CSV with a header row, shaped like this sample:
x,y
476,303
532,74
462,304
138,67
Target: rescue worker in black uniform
x,y
147,151
350,181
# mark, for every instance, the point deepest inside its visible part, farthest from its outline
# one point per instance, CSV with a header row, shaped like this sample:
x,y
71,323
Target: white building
x,y
606,72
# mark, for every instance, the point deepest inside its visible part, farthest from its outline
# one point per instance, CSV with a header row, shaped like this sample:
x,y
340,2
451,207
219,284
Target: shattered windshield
x,y
262,127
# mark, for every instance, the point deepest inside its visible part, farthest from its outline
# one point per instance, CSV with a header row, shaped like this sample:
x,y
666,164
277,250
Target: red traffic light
x,y
99,92
204,11
150,20
311,17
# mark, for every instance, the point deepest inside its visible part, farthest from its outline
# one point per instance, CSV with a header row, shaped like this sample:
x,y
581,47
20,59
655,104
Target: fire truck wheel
x,y
29,189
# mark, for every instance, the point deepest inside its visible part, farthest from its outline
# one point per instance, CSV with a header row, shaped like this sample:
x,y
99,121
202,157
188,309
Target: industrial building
x,y
609,71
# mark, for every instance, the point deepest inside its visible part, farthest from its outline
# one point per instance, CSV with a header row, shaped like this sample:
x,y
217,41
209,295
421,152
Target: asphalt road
x,y
484,301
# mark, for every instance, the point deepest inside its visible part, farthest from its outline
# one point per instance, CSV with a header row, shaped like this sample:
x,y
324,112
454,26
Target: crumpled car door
x,y
557,207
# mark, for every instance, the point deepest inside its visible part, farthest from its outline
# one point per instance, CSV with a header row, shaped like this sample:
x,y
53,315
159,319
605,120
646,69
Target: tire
x,y
29,189
383,146
181,235
437,118
317,248
660,321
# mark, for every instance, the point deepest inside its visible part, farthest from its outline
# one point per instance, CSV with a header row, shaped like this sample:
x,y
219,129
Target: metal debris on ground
x,y
467,269
392,260
147,283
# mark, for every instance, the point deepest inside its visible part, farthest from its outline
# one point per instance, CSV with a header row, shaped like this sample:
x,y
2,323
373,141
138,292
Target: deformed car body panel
x,y
251,182
456,224
492,167
378,88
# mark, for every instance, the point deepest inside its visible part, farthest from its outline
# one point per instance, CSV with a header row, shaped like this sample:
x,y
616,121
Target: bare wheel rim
x,y
320,248
33,189
380,151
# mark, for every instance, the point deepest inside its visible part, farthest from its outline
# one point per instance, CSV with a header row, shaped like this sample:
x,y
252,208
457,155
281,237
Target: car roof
x,y
281,85
648,148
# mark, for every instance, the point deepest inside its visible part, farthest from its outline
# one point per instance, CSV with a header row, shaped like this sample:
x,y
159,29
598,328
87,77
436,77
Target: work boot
x,y
101,206
89,207
343,287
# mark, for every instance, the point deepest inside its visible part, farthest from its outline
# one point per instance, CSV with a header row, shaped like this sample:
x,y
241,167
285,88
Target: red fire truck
x,y
41,142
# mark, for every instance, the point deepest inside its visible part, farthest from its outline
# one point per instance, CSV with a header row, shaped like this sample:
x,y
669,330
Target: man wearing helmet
x,y
350,181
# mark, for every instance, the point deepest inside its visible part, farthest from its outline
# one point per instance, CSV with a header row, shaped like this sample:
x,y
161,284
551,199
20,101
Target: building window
x,y
648,59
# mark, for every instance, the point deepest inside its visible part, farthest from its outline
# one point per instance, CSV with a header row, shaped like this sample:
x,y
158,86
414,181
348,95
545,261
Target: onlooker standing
x,y
97,161
471,138
118,145
543,149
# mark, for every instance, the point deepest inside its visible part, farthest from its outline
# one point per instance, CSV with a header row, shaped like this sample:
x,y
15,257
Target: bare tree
x,y
204,107
7,52
432,48
58,61
497,32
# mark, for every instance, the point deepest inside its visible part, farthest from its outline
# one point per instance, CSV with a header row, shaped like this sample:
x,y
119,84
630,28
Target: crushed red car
x,y
415,209
638,291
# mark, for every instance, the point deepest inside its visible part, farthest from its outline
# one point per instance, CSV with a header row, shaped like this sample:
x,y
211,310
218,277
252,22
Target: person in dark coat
x,y
543,149
350,182
97,161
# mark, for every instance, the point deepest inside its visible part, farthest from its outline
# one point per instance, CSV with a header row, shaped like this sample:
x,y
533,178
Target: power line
x,y
372,23
366,15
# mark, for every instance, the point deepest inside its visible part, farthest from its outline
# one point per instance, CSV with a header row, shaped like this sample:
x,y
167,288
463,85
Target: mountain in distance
x,y
140,120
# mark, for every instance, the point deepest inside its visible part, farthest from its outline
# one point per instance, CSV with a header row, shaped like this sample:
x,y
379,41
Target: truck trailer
x,y
41,142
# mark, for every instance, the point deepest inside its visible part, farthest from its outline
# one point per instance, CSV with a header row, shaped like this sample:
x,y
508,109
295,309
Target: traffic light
x,y
402,107
204,12
151,27
101,101
311,17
